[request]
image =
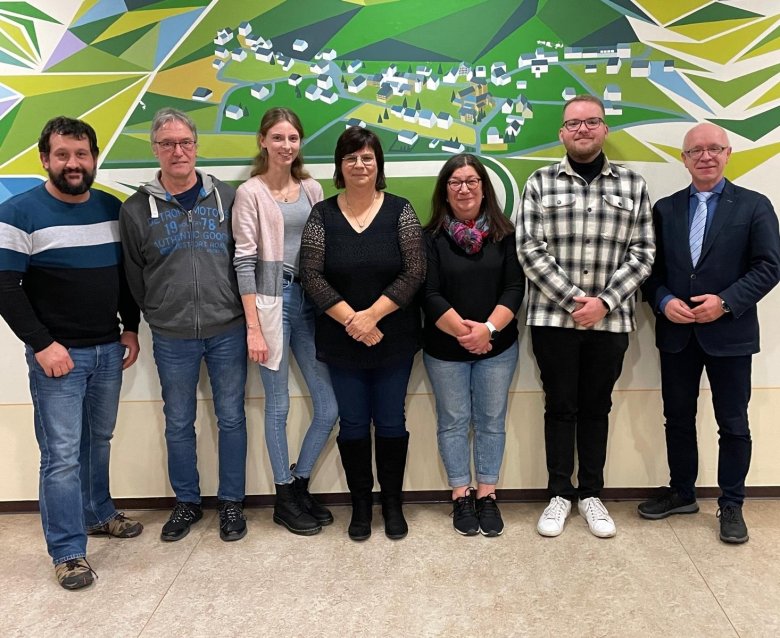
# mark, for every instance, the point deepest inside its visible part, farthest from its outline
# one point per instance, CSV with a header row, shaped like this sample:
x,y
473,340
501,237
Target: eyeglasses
x,y
351,160
169,145
590,123
696,152
456,184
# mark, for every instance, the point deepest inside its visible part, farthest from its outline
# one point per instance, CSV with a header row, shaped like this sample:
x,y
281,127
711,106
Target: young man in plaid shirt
x,y
585,240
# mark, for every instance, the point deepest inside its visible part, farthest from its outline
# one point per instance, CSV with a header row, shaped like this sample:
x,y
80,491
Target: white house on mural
x,y
294,79
313,92
263,55
668,66
410,115
353,121
300,45
262,45
497,68
384,92
223,36
328,54
572,53
201,94
452,147
624,50
356,84
408,137
513,128
591,68
390,71
324,81
354,66
610,108
525,60
260,91
521,84
423,69
218,64
640,68
426,118
451,77
612,92
444,120
235,112
329,97
434,143
480,71
397,110
319,67
221,52
464,71
245,28
432,83
493,136
285,62
538,67
508,106
613,66
568,93
503,80
252,40
239,55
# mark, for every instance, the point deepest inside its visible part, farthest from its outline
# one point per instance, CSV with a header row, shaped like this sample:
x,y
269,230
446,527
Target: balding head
x,y
706,151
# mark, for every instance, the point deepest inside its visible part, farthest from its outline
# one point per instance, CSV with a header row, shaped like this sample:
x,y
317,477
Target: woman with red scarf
x,y
473,290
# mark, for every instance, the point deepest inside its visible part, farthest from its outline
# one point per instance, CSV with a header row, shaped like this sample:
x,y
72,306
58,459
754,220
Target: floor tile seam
x,y
176,577
703,579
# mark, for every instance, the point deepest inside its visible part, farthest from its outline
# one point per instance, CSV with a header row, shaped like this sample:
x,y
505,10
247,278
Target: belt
x,y
288,276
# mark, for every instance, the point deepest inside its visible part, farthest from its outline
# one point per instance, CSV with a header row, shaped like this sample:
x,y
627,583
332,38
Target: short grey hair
x,y
166,115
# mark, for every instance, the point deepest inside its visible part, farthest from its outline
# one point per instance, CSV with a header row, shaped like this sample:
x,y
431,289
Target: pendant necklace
x,y
365,217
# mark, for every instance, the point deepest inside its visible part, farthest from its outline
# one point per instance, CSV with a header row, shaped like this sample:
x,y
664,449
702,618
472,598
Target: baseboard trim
x,y
417,496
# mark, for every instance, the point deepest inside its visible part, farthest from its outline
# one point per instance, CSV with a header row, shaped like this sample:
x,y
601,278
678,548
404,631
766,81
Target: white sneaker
x,y
599,520
554,517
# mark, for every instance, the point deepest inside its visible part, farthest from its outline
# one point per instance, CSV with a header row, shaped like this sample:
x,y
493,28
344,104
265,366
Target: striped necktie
x,y
696,235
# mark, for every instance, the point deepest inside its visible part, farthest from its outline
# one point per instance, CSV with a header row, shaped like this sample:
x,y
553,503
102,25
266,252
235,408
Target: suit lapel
x,y
679,230
720,217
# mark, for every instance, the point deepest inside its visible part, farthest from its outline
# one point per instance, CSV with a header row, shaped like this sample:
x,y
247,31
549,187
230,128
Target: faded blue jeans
x,y
75,417
178,364
472,393
298,326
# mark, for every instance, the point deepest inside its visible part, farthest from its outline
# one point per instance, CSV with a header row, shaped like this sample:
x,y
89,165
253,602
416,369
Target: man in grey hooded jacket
x,y
178,244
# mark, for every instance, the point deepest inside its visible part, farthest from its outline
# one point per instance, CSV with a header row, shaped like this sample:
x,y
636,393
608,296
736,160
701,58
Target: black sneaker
x,y
182,516
464,515
732,524
232,522
668,503
490,521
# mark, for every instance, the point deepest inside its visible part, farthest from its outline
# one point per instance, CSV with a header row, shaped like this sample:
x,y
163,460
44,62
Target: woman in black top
x,y
474,288
362,261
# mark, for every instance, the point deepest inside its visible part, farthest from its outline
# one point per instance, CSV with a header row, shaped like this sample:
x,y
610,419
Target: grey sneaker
x,y
75,574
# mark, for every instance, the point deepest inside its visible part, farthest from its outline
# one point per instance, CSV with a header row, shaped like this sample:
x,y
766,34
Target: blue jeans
x,y
472,393
178,364
371,395
75,417
298,327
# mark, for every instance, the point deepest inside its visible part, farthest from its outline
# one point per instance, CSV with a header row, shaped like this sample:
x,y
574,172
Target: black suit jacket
x,y
739,262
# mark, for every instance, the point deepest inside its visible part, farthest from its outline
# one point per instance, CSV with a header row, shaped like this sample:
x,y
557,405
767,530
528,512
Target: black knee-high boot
x,y
390,467
356,459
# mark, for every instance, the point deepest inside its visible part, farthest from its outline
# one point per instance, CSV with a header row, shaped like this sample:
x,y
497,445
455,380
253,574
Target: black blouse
x,y
340,264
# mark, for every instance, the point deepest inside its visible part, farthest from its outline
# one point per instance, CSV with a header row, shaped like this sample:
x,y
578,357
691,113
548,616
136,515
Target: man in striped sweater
x,y
62,288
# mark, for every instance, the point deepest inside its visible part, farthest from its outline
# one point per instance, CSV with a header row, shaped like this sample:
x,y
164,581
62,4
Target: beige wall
x,y
636,456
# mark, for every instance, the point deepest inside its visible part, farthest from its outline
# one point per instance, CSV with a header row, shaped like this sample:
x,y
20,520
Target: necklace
x,y
278,191
367,214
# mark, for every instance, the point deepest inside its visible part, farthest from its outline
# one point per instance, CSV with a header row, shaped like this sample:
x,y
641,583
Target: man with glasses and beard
x,y
585,241
61,289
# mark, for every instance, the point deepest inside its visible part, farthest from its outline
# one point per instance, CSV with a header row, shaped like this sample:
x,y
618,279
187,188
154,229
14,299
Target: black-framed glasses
x,y
697,151
590,123
456,184
351,160
169,145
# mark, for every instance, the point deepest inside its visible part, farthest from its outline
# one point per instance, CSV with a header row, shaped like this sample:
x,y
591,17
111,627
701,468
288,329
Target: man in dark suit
x,y
718,254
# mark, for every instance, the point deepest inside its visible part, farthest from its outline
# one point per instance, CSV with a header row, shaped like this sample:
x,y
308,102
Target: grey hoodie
x,y
179,263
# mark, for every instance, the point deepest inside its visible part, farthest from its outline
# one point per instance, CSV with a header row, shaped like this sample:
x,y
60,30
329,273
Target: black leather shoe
x,y
289,512
182,516
320,513
232,522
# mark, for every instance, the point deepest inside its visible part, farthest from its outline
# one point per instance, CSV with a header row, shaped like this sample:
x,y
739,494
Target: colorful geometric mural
x,y
431,78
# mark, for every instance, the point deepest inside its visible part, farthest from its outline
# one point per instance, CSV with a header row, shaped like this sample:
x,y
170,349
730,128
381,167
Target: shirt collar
x,y
717,189
565,167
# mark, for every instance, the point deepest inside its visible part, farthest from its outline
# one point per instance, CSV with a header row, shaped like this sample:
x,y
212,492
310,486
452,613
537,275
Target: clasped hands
x,y
477,338
361,326
709,309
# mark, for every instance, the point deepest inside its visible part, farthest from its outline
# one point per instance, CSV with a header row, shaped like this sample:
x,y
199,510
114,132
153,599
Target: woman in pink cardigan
x,y
270,211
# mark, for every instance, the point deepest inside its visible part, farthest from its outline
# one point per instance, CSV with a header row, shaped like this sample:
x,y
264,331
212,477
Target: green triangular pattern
x,y
8,120
770,96
143,51
726,91
88,32
12,47
91,59
768,44
715,12
175,4
753,128
121,43
26,9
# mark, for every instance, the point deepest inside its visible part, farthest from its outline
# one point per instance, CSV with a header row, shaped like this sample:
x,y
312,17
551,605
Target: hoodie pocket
x,y
173,308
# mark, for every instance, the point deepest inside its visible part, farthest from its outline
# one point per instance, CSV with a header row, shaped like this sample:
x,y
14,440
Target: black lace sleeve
x,y
410,239
312,262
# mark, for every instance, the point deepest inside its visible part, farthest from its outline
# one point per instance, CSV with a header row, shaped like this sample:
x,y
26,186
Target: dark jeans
x,y
371,395
730,384
579,369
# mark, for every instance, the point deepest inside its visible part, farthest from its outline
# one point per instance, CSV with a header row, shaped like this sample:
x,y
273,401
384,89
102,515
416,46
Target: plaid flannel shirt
x,y
581,240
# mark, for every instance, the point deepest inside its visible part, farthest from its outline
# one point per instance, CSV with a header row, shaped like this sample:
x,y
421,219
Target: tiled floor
x,y
664,578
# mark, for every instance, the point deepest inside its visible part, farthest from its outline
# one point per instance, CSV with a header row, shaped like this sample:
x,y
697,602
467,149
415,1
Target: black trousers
x,y
579,369
730,384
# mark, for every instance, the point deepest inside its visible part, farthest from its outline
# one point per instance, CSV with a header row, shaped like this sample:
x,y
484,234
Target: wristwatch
x,y
724,306
492,329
